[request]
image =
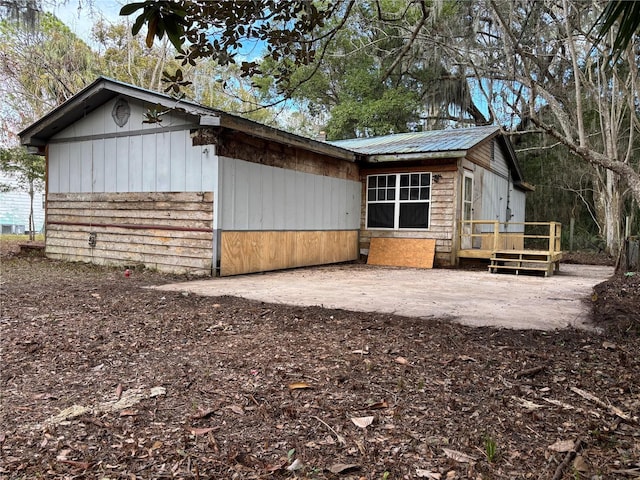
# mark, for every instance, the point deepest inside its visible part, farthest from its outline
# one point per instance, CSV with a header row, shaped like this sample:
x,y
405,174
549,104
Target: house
x,y
195,190
15,207
434,184
135,177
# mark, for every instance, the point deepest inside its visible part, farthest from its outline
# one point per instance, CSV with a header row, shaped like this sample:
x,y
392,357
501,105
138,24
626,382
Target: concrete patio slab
x,y
469,297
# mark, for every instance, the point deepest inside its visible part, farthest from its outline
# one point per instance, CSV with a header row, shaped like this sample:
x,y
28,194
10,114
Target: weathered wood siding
x,y
255,150
171,232
444,198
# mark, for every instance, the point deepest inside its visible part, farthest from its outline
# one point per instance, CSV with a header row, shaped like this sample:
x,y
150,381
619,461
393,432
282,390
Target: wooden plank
x,y
133,197
60,213
402,252
259,251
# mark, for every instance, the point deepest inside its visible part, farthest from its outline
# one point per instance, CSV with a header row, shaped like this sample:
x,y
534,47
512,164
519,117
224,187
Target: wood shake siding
x,y
171,232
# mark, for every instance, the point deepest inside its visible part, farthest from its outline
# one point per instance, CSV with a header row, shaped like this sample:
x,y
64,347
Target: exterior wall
x,y
272,218
443,210
94,155
170,232
15,206
139,188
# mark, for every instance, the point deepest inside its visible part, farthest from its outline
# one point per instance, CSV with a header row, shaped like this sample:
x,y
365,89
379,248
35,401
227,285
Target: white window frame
x,y
397,201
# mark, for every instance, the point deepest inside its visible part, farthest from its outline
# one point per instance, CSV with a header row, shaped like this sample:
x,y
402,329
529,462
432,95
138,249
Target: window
x,y
398,200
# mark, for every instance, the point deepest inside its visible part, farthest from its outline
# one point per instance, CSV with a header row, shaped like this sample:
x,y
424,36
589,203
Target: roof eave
x,y
407,157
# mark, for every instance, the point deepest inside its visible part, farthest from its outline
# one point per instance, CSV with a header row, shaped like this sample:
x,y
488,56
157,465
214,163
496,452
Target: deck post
x,y
496,235
552,238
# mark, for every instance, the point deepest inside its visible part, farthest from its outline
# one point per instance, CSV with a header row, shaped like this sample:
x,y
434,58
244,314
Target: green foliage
x,y
624,14
27,169
490,449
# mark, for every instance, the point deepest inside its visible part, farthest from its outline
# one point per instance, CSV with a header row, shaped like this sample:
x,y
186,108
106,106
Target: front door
x,y
466,240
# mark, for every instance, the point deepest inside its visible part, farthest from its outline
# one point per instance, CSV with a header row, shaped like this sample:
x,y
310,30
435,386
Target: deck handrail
x,y
553,234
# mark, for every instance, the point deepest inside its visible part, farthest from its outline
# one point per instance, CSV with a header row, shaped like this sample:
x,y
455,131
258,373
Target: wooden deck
x,y
527,247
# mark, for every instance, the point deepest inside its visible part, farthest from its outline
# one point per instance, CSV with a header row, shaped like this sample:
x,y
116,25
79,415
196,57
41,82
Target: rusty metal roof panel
x,y
419,142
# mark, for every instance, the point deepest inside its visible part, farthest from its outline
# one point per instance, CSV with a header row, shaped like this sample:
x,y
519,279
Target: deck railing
x,y
491,236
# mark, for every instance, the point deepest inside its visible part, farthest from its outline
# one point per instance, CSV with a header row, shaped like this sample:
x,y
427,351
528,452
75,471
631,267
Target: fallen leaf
x,y
362,422
609,346
95,295
62,456
128,413
156,445
338,468
402,361
296,465
203,413
3,437
237,409
298,386
157,391
458,456
580,465
200,431
378,405
361,352
466,358
529,405
275,468
562,446
119,391
79,465
427,474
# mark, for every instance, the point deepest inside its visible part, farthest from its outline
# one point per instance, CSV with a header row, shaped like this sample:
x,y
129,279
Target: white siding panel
x,y
54,168
149,152
193,169
98,166
255,198
518,199
259,197
86,156
290,201
63,185
178,150
209,169
75,167
163,162
135,164
110,165
268,196
279,199
122,164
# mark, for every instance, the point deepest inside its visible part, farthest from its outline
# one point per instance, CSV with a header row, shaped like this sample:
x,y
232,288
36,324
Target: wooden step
x,y
521,261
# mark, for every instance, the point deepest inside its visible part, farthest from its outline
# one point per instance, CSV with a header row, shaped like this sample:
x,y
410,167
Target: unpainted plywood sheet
x,y
261,251
402,252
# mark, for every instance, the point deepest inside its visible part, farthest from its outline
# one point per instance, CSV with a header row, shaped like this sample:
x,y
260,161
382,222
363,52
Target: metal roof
x,y
420,142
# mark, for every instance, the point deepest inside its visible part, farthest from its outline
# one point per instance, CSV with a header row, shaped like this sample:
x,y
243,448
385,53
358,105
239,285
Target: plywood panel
x,y
247,252
402,252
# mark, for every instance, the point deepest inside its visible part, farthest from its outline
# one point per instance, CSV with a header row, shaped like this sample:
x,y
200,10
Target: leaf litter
x,y
79,343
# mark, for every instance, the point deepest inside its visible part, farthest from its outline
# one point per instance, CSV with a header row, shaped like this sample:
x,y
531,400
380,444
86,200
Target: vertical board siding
x,y
494,198
162,161
261,197
171,232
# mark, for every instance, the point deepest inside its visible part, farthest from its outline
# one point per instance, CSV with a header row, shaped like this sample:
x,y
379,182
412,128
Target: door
x,y
466,240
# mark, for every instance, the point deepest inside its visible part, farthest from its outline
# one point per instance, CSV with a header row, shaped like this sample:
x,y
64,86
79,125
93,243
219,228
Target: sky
x,y
80,15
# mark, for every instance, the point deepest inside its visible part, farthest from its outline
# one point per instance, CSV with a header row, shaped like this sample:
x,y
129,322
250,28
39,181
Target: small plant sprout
x,y
490,449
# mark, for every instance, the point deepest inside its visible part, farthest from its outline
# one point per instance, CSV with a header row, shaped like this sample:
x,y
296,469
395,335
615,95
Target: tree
x,y
28,170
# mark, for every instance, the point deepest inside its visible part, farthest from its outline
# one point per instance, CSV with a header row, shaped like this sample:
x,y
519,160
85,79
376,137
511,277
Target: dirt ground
x,y
104,379
470,297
